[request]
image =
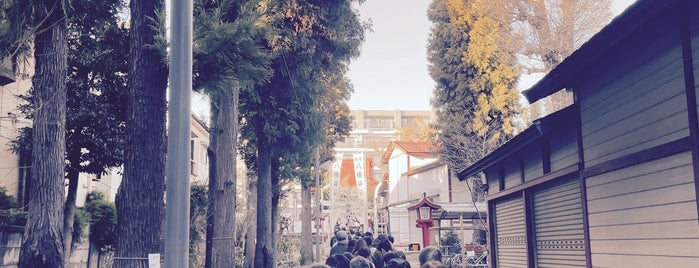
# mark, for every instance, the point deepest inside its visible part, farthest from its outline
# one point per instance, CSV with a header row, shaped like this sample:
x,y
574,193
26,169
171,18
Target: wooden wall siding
x,y
650,112
493,178
558,226
531,158
644,215
511,235
694,28
564,150
513,172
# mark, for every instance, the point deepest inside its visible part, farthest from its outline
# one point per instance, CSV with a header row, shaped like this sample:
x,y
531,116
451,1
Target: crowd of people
x,y
350,249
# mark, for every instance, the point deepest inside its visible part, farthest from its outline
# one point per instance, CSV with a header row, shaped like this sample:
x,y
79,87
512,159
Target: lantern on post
x,y
424,220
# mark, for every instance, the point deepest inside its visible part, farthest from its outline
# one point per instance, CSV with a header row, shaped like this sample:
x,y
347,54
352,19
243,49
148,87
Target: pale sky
x,y
392,71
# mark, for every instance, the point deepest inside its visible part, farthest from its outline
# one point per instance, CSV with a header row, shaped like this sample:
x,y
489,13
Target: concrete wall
x,y
84,255
10,242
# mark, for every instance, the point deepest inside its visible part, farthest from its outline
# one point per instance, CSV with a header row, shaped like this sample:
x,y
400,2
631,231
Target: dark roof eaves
x,y
539,128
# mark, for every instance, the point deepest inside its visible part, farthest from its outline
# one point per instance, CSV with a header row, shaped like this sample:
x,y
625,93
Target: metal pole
x,y
178,162
319,207
463,235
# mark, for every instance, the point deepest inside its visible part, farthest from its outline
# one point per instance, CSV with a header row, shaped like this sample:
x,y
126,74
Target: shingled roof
x,y
419,149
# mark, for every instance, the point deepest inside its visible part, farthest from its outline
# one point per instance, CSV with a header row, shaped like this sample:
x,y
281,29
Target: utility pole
x,y
319,207
178,149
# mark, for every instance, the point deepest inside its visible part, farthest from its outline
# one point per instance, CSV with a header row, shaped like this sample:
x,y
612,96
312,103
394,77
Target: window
x,y
380,123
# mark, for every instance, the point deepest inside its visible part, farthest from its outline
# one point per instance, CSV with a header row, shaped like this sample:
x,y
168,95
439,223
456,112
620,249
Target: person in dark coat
x,y
341,245
397,263
364,252
342,261
360,262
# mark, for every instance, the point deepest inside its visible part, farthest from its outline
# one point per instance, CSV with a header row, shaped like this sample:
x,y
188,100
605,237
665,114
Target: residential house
x,y
358,159
108,183
612,180
14,169
413,172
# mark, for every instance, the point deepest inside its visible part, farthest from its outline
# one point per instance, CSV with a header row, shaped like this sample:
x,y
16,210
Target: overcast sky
x,y
392,72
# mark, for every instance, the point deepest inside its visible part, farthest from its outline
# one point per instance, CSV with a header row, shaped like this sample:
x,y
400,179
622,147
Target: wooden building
x,y
612,180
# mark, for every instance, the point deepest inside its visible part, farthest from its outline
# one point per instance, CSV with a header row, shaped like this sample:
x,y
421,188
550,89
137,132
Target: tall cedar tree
x,y
474,98
96,91
97,60
45,21
139,199
315,41
42,244
220,69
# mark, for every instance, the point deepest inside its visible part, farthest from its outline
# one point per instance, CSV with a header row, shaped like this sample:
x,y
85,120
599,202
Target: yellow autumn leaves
x,y
494,81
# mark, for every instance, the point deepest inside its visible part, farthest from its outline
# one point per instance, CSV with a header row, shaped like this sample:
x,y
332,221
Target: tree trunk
x,y
251,223
264,249
276,195
222,196
275,228
211,206
306,245
139,200
69,208
42,243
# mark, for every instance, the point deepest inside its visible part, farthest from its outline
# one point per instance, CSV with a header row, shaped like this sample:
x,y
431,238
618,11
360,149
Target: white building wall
x,y
397,165
11,120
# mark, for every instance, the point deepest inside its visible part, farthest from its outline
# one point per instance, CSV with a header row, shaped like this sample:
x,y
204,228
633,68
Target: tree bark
x,y
42,243
222,192
276,195
264,249
69,208
139,200
275,228
251,222
306,233
211,204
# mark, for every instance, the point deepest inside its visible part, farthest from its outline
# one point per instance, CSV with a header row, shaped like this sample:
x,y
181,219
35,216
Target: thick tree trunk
x,y
222,194
69,208
139,200
276,195
42,243
251,221
306,243
211,204
264,249
275,227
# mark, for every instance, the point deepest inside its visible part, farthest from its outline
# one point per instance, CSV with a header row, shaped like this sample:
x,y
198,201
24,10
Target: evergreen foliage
x,y
10,210
38,29
474,99
197,221
95,101
228,55
82,219
313,43
139,199
103,221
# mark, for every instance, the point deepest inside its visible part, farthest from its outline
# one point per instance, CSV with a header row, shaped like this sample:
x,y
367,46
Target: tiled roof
x,y
419,149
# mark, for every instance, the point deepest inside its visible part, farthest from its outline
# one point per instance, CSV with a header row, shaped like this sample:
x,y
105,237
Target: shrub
x,y
82,219
451,239
11,212
103,220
